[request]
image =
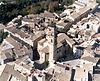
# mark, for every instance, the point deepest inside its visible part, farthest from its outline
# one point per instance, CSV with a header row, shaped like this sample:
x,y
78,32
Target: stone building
x,y
53,46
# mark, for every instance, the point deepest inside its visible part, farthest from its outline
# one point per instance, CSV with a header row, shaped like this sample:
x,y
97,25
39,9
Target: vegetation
x,y
52,24
67,2
88,33
62,30
46,63
42,66
23,7
98,1
3,35
19,22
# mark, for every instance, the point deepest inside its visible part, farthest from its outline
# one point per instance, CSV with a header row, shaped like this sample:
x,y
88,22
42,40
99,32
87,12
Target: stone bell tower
x,y
52,42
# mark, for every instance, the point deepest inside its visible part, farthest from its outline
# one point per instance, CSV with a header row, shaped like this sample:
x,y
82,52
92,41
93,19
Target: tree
x,y
1,40
46,5
19,22
56,5
37,10
3,35
51,8
98,1
46,63
67,2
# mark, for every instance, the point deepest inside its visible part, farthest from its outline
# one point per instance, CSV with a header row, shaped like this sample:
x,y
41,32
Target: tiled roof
x,y
8,72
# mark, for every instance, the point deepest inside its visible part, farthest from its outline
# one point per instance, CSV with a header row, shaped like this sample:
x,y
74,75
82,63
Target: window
x,y
66,21
67,68
81,79
57,51
85,79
